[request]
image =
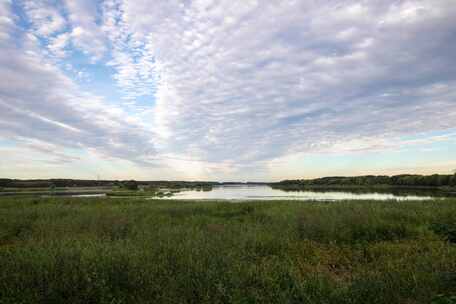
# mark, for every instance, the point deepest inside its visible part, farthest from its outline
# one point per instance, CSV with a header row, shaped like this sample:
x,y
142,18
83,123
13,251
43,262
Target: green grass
x,y
102,250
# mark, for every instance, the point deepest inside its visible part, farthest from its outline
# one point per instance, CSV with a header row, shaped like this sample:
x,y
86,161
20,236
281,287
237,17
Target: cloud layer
x,y
226,87
45,109
249,80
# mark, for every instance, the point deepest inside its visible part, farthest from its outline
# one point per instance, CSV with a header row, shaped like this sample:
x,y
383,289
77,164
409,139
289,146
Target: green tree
x,y
453,179
130,185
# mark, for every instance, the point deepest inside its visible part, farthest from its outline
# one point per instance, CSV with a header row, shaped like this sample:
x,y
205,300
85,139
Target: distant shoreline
x,y
404,181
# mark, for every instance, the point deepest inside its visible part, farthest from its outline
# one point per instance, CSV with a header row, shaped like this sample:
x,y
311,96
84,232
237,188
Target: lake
x,y
263,192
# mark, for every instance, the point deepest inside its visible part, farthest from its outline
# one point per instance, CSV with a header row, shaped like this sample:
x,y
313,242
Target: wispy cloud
x,y
39,102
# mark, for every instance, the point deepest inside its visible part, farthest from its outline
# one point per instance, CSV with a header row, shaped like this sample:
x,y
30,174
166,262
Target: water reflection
x,y
260,192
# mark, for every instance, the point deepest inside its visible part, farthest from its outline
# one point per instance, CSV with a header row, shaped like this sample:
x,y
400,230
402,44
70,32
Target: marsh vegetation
x,y
103,250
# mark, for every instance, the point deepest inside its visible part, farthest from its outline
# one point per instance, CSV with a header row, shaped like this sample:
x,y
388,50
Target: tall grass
x,y
101,250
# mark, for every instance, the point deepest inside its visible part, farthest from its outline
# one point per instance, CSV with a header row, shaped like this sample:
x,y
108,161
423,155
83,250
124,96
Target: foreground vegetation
x,y
102,250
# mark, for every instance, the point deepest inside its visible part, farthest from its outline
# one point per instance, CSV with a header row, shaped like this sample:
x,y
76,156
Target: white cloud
x,y
39,104
86,33
133,59
58,44
6,23
248,80
235,84
46,19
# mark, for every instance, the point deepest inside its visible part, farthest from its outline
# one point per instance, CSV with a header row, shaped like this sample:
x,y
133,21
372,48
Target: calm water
x,y
263,192
243,192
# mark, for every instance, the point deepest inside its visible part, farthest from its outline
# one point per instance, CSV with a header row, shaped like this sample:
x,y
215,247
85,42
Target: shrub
x,y
445,229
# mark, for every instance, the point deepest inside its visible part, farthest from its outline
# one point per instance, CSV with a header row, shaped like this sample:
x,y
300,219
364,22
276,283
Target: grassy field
x,y
102,250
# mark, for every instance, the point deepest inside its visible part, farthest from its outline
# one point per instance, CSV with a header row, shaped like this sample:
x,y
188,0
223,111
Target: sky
x,y
226,89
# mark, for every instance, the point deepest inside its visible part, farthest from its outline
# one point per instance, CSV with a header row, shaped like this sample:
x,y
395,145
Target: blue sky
x,y
226,90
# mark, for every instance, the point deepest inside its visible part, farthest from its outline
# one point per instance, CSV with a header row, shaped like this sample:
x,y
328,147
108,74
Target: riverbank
x,y
444,182
95,191
104,250
38,193
443,190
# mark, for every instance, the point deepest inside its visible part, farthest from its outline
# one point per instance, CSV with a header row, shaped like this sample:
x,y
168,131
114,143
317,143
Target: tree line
x,y
412,180
64,183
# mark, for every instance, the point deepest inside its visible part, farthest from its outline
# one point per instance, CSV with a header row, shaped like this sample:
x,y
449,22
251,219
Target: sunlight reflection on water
x,y
260,192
